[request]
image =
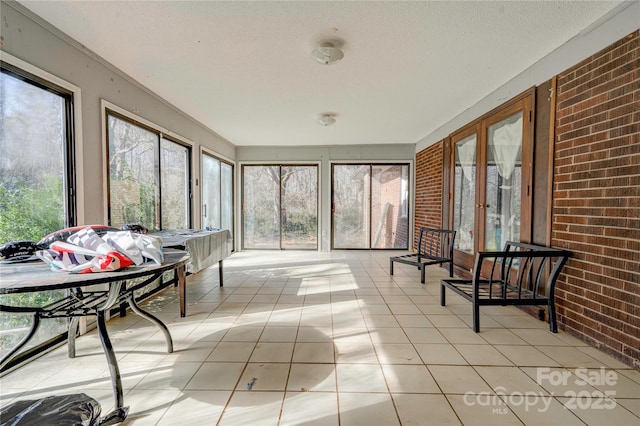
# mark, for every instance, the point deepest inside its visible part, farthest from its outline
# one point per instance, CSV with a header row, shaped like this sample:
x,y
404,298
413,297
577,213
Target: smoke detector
x,y
327,54
326,119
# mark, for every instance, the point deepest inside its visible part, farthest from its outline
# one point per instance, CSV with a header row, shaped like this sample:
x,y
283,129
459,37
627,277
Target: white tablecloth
x,y
205,247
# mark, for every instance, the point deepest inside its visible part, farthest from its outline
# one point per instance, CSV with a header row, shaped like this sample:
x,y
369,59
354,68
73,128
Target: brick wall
x,y
429,178
596,207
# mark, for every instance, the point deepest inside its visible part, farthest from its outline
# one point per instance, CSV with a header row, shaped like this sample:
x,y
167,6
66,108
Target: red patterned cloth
x,y
85,251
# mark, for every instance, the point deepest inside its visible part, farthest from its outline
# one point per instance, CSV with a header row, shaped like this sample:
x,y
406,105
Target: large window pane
x,y
210,192
174,180
34,197
351,203
370,206
149,177
389,211
280,207
299,209
465,193
32,164
504,180
133,172
217,193
261,207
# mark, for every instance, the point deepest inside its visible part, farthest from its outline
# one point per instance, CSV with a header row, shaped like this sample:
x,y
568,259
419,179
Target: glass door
x,y
351,206
464,196
491,175
174,185
261,207
503,182
217,193
389,206
280,207
210,192
370,206
226,196
299,207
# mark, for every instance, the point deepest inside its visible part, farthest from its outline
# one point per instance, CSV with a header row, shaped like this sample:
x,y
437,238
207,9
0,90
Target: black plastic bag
x,y
63,410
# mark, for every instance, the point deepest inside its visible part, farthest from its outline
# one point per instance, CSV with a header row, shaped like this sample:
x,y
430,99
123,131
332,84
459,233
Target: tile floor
x,y
309,338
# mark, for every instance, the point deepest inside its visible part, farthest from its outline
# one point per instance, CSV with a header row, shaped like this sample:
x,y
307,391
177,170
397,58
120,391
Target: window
x,y
149,176
36,182
217,193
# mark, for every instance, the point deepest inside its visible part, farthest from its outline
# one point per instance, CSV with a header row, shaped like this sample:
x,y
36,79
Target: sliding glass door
x,y
351,214
299,207
217,193
280,207
370,206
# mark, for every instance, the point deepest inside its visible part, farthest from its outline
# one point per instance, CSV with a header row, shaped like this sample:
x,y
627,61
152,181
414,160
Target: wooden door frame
x,y
524,102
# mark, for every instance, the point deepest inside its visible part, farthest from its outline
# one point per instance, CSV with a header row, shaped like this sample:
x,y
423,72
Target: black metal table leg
x,y
144,314
34,327
220,272
120,411
71,336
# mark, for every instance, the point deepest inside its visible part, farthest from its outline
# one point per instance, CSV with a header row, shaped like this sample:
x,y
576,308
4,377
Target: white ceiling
x,y
243,68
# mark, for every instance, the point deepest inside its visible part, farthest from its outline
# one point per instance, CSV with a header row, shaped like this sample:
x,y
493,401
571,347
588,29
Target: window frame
x,y
73,164
74,213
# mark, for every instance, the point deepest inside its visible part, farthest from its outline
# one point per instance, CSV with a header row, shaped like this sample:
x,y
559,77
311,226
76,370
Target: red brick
x,y
596,207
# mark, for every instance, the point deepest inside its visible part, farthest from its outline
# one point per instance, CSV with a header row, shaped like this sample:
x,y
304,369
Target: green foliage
x,y
301,223
30,213
144,211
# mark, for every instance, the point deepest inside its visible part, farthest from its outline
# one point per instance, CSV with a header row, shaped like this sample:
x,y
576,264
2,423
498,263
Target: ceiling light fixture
x,y
326,119
327,54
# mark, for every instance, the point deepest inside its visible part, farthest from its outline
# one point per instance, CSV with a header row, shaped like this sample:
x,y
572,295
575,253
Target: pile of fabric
x,y
85,251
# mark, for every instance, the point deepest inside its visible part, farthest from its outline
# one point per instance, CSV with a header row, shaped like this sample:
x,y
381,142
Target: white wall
x,y
622,21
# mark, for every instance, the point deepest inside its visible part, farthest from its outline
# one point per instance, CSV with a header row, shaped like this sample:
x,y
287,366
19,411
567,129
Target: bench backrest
x,y
521,268
436,242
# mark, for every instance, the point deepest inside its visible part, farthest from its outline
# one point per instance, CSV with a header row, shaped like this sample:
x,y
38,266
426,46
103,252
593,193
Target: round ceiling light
x,y
326,119
327,54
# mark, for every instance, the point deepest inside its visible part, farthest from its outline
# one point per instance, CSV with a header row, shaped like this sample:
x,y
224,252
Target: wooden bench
x,y
435,246
515,277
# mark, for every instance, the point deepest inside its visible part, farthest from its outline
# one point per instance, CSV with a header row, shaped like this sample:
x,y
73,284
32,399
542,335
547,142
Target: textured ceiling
x,y
243,68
